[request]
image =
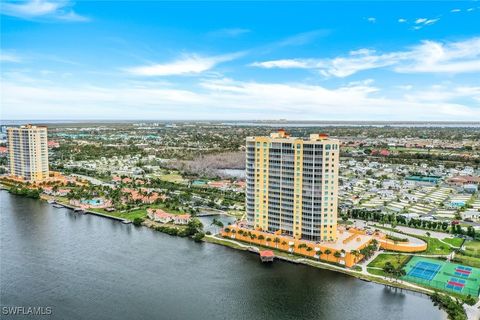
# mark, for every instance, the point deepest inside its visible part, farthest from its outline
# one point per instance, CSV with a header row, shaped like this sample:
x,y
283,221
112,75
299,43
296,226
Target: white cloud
x,y
429,56
8,57
282,64
186,65
444,93
402,20
42,9
372,19
438,57
422,22
455,10
227,99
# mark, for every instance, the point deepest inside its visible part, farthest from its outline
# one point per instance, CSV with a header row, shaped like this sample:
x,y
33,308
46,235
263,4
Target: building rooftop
x,y
281,134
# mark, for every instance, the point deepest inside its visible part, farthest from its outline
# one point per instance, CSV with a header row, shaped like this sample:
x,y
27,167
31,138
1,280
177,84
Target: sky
x,y
240,60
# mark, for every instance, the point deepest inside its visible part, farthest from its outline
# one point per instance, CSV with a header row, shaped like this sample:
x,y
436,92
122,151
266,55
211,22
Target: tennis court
x,y
443,275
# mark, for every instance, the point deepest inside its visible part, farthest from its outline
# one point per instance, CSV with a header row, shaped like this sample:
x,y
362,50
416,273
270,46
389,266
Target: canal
x,y
88,267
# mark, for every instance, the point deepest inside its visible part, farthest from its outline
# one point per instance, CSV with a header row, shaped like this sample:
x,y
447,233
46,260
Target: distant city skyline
x,y
125,60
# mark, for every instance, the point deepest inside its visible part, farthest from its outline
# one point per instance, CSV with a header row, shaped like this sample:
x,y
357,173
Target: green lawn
x,y
395,259
467,260
456,242
172,177
377,272
435,246
140,213
471,255
473,247
162,206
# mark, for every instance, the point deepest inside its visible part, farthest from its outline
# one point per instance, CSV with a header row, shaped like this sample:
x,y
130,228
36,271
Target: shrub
x,y
137,221
198,236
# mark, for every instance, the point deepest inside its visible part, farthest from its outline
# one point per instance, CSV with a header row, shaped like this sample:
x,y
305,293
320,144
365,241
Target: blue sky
x,y
232,60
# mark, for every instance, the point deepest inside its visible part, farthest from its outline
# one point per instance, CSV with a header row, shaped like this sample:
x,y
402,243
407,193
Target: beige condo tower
x,y
28,152
292,185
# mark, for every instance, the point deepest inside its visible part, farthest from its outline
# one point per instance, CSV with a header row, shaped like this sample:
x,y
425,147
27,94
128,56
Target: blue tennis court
x,y
424,270
456,284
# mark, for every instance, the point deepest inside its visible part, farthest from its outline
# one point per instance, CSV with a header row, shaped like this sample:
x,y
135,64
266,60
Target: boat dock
x,y
80,210
267,256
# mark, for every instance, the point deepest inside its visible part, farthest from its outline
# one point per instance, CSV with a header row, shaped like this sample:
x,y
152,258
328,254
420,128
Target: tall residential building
x,y
292,185
28,152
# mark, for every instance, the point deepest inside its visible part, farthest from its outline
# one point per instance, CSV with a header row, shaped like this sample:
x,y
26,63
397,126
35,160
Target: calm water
x,y
87,267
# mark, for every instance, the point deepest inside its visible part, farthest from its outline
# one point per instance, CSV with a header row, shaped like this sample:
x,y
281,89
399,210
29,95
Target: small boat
x,y
51,201
56,205
126,221
79,210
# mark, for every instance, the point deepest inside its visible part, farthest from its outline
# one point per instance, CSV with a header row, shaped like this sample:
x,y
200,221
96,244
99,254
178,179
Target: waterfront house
x,y
181,218
159,215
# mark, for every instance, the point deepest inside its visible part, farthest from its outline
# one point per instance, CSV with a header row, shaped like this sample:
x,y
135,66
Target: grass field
x,y
172,177
395,259
471,255
456,242
444,276
376,266
473,247
140,213
435,246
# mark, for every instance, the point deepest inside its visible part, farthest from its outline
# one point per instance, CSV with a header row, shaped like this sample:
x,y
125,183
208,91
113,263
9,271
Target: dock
x,y
80,210
267,256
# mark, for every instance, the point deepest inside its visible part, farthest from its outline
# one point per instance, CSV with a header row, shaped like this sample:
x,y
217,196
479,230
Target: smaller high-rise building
x,y
28,152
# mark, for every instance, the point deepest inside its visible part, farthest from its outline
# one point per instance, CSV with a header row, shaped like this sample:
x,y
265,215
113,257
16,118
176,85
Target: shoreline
x,y
474,314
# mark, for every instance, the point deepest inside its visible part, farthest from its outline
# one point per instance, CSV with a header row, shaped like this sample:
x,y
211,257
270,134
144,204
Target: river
x,y
88,267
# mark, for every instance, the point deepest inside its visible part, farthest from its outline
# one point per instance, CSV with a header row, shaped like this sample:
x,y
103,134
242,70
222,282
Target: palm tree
x,y
388,269
337,255
268,240
355,253
328,252
319,253
261,237
276,240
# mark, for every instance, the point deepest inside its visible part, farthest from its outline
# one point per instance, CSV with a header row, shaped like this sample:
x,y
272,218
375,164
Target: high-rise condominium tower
x,y
28,152
292,185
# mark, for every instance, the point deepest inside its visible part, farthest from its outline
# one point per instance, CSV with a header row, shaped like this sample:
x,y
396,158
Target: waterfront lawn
x,y
236,213
456,242
395,259
377,272
131,215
